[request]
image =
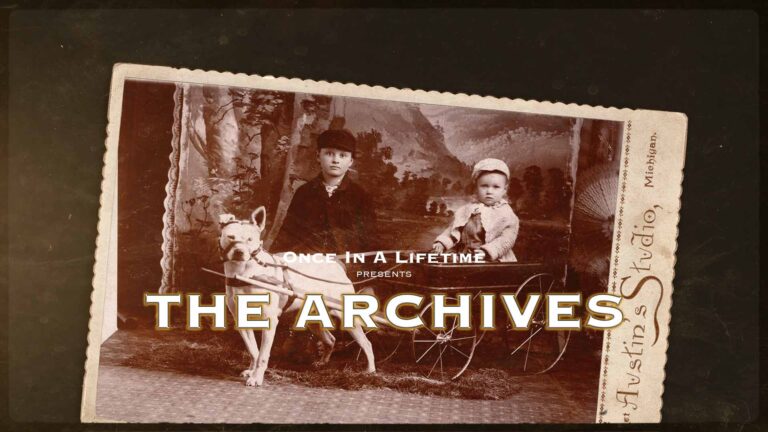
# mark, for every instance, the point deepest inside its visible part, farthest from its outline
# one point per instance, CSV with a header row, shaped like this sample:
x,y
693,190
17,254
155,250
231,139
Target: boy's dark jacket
x,y
315,222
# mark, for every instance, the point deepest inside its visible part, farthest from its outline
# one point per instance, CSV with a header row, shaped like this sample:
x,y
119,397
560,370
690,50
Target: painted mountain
x,y
417,145
429,138
518,139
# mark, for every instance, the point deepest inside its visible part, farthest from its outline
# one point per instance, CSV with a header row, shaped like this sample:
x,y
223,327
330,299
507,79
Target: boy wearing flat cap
x,y
487,224
330,213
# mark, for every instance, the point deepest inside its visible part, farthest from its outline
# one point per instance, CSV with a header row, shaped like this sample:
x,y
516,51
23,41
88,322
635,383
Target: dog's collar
x,y
255,257
254,254
237,283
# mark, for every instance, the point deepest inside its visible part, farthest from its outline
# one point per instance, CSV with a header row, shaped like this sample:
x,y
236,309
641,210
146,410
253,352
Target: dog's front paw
x,y
246,373
253,381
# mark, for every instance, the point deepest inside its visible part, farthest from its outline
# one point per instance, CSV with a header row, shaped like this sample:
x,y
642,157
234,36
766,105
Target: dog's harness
x,y
234,282
237,283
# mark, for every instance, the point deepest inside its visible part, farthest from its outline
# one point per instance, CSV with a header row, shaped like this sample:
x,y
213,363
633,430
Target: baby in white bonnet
x,y
487,225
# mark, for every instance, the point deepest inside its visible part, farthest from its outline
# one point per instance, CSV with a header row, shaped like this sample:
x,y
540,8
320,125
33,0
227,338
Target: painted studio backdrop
x,y
189,152
234,149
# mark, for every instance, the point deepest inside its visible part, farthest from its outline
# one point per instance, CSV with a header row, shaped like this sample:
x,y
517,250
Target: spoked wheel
x,y
385,340
385,343
536,350
443,354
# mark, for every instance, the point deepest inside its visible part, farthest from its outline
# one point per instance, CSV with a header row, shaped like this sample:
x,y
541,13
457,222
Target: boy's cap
x,y
341,139
489,165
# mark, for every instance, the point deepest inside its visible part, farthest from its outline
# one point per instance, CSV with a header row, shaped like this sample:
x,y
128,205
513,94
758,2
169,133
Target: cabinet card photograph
x,y
277,250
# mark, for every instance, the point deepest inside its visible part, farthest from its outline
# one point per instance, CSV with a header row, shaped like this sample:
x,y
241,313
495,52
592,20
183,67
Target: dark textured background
x,y
704,64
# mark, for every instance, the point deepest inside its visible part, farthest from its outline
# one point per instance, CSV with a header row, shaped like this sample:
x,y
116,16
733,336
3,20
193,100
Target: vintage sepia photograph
x,y
221,184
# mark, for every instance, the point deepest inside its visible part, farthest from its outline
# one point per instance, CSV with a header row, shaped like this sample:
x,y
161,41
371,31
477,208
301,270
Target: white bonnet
x,y
489,164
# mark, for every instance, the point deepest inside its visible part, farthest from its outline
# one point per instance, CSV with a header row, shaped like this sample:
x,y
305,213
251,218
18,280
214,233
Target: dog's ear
x,y
255,215
226,218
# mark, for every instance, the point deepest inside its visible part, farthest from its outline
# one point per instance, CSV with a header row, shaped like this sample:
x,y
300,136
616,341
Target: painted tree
x,y
266,118
416,195
555,200
515,191
213,133
221,132
242,136
533,181
375,167
432,208
446,184
435,183
406,178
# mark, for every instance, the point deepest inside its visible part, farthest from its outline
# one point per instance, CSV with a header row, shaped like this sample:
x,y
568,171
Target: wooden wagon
x,y
446,354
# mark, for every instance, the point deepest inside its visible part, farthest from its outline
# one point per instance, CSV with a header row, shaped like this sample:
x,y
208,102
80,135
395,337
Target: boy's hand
x,y
438,248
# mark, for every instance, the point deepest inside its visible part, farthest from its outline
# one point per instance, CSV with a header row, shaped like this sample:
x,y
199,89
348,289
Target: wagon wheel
x,y
384,340
443,354
536,350
385,343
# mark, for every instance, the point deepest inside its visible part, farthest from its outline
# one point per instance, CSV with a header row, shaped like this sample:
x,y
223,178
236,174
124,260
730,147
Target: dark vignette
x,y
59,69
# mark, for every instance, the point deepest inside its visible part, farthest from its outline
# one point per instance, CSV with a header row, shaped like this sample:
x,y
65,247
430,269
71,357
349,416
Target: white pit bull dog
x,y
243,255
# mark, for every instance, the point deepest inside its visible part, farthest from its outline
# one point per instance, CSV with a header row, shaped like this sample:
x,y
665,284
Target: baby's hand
x,y
438,248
